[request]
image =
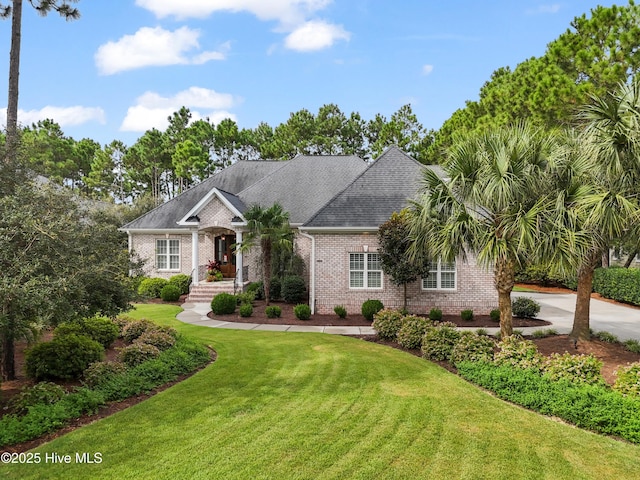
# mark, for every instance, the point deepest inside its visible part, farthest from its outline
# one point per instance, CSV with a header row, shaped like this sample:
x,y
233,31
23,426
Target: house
x,y
335,203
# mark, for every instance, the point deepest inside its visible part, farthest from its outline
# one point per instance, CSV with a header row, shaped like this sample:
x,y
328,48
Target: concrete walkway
x,y
620,320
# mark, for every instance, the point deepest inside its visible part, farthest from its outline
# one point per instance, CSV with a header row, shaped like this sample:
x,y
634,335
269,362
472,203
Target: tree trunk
x,y
14,73
630,258
580,329
266,270
605,259
504,280
8,356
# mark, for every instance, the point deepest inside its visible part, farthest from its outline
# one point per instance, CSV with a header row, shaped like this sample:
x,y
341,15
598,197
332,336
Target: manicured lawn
x,y
286,405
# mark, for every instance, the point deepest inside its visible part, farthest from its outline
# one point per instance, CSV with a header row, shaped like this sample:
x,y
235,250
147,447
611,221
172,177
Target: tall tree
x,y
14,9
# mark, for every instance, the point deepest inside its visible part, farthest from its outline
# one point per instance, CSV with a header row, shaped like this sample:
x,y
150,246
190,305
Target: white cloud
x,y
315,35
542,9
152,110
427,69
153,47
63,116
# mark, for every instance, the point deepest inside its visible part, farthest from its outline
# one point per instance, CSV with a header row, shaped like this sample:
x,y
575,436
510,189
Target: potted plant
x,y
213,271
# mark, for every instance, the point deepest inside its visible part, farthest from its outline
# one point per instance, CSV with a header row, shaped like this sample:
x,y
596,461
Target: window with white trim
x,y
365,270
167,254
442,276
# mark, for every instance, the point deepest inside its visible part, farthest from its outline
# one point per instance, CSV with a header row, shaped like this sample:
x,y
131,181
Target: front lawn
x,y
287,405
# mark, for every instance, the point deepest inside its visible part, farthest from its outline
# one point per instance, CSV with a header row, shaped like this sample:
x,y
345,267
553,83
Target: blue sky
x,y
126,65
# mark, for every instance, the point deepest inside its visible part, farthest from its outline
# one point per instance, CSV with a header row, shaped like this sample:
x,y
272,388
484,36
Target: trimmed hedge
x,y
151,287
294,289
224,304
64,357
621,284
182,281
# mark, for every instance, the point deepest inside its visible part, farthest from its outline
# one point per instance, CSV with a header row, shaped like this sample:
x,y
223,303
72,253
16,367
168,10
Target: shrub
x,y
411,331
574,368
170,293
134,329
632,346
273,311
294,289
181,281
275,288
340,311
472,347
386,323
223,304
151,287
607,337
302,311
435,314
122,321
258,288
495,315
618,283
370,308
64,357
136,353
516,351
101,329
466,315
545,332
438,342
628,380
43,393
68,328
525,307
246,310
246,297
482,331
162,341
99,373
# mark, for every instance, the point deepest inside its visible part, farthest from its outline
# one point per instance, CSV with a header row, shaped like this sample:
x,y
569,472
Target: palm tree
x,y
268,227
492,204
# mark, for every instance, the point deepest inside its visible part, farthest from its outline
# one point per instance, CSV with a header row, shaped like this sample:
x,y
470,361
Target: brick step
x,y
205,291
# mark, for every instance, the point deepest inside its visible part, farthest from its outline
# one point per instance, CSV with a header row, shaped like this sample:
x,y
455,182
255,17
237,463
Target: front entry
x,y
224,254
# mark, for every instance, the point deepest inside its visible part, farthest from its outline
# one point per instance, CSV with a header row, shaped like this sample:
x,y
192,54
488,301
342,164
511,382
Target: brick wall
x,y
474,288
145,247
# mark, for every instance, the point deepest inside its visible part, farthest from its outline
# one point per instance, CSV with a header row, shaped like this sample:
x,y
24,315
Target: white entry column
x,y
239,265
195,257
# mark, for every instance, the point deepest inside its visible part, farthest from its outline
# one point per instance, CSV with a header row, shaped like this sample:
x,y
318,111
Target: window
x,y
365,270
168,254
442,276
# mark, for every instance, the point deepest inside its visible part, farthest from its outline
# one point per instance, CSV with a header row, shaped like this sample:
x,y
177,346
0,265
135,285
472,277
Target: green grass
x,y
523,289
279,405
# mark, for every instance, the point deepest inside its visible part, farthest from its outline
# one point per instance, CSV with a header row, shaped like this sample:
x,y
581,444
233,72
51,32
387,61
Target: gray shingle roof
x,y
370,199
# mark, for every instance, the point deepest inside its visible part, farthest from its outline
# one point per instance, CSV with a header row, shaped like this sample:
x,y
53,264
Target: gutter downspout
x,y
312,272
130,249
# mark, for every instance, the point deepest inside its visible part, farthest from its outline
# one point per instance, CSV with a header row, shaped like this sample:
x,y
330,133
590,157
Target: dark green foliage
x,y
525,307
101,329
258,288
275,289
411,331
294,289
223,304
435,314
162,341
68,328
340,311
632,346
246,310
466,315
621,284
136,353
182,281
246,297
43,393
133,330
438,342
151,287
273,311
607,337
370,308
593,407
495,315
170,293
472,347
302,311
387,323
64,357
99,372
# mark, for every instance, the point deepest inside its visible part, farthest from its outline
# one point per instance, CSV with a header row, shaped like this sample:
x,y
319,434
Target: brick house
x,y
335,205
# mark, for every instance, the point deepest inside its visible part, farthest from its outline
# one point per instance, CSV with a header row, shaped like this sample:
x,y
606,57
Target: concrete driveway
x,y
558,308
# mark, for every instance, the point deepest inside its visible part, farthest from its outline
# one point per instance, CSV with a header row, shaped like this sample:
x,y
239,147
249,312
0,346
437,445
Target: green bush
x,y
386,323
435,314
43,393
258,288
632,345
136,353
302,311
294,289
122,321
99,373
162,341
170,293
275,288
223,304
151,287
607,337
545,332
340,311
370,308
628,380
182,281
621,284
246,297
64,357
133,330
273,311
68,328
495,315
438,341
246,310
466,315
412,330
101,329
525,307
472,347
573,368
516,351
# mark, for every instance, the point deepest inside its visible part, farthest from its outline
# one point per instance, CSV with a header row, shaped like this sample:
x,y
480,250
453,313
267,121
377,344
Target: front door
x,y
225,255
